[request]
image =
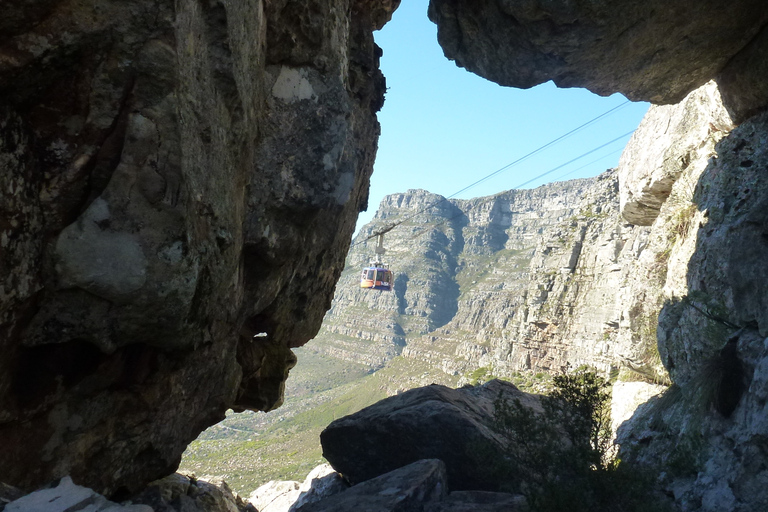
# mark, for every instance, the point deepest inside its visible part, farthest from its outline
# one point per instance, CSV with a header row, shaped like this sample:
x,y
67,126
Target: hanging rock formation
x,y
177,177
647,50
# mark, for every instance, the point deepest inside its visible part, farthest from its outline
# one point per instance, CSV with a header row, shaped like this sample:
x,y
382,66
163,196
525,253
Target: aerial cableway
x,y
378,275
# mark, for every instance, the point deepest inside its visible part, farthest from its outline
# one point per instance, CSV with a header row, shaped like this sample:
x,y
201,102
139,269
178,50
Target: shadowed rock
x,y
453,425
176,178
407,489
647,50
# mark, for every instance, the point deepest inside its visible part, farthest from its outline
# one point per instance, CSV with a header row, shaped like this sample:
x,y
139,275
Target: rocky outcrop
x,y
407,489
708,430
665,144
174,493
453,425
177,178
68,496
647,50
288,496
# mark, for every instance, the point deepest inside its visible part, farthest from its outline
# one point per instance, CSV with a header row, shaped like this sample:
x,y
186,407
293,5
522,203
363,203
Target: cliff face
x,y
708,430
699,288
557,276
494,281
176,178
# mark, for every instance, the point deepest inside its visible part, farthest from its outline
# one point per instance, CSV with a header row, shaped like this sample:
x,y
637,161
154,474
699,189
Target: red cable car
x,y
378,276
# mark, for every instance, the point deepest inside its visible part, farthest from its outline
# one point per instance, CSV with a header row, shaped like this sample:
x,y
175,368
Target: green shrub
x,y
562,459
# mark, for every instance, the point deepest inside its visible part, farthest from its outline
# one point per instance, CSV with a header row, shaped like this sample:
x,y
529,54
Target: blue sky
x,y
444,128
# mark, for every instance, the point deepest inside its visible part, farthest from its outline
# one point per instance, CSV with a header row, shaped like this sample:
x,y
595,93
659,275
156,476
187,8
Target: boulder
x,y
453,425
407,489
321,482
187,493
479,501
275,496
66,496
285,496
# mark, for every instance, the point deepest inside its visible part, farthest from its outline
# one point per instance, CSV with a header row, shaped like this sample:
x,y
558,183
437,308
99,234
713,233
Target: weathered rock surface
x,y
453,425
289,496
67,496
647,50
174,493
275,496
407,489
708,432
186,493
479,501
176,178
667,141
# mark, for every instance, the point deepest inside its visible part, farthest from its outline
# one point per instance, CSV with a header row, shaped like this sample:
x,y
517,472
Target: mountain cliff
x,y
487,281
653,271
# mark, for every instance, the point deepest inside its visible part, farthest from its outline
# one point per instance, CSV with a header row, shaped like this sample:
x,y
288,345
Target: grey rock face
x,y
68,496
176,178
478,282
453,425
183,493
647,50
479,501
407,489
289,496
704,433
667,141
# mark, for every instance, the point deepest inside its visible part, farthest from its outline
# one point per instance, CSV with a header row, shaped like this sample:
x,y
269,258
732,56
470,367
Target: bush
x,y
563,459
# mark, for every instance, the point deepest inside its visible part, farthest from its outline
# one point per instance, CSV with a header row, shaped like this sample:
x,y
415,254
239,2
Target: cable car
x,y
377,276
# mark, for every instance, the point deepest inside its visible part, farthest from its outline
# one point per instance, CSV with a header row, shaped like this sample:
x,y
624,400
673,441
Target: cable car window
x,y
371,274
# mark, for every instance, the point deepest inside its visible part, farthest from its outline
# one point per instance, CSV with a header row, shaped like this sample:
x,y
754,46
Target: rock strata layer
x,y
176,178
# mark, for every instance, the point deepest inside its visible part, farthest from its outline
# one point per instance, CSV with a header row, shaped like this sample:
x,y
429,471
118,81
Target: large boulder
x,y
650,50
290,496
453,425
67,496
179,186
407,489
479,501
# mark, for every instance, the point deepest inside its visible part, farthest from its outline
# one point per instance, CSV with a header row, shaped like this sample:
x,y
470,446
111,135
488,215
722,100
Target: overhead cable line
x,y
542,148
522,184
589,163
509,165
573,160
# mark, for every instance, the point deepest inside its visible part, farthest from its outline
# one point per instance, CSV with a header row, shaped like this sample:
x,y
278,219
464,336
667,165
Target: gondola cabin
x,y
376,278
